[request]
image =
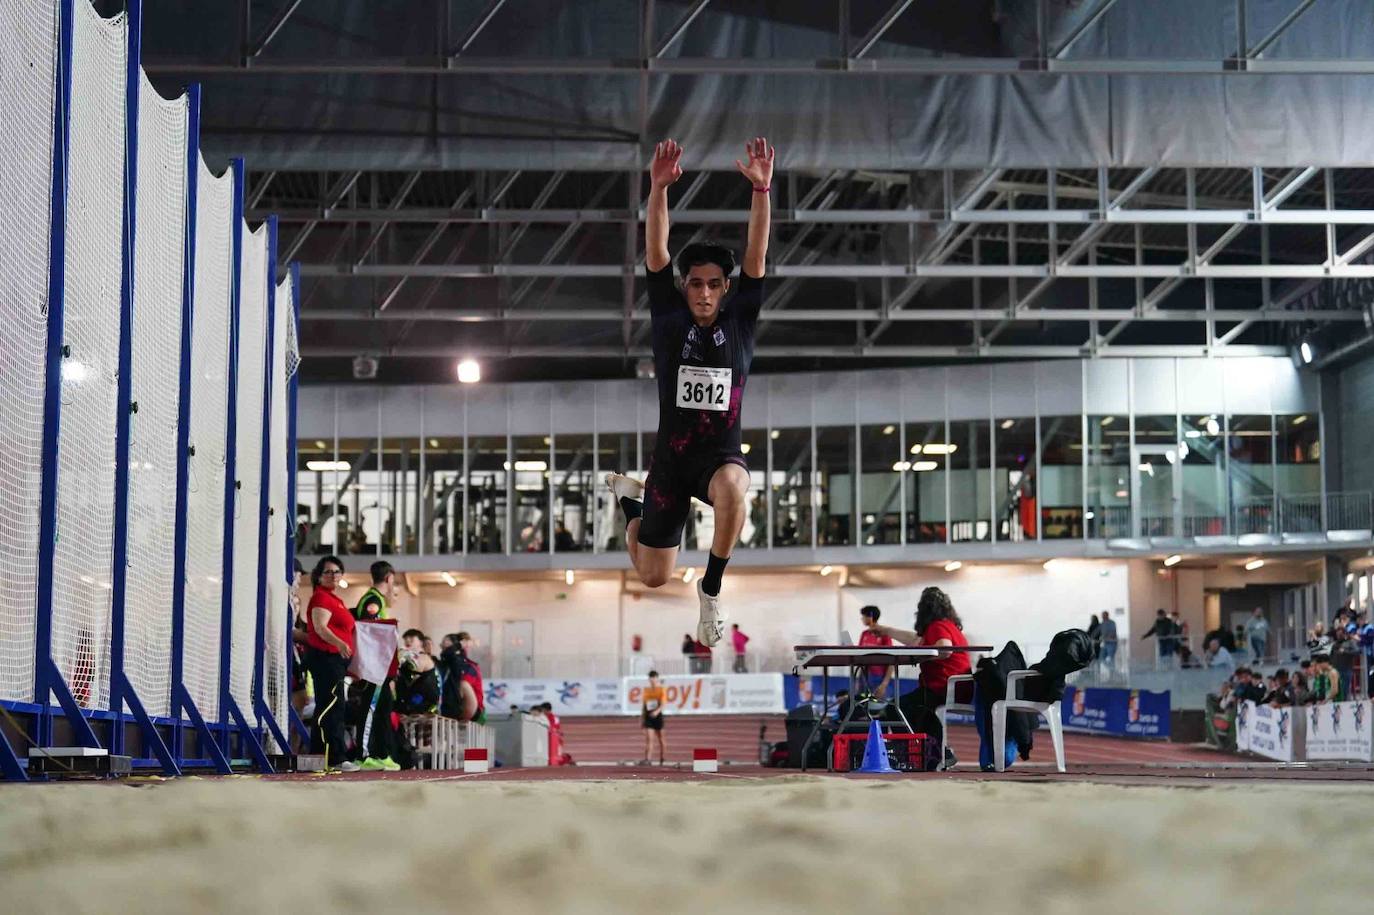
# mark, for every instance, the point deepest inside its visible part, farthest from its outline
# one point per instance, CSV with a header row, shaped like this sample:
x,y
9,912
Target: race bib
x,y
702,388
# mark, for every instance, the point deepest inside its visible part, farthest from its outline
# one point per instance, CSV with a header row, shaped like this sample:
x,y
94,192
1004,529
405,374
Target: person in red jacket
x,y
329,645
937,626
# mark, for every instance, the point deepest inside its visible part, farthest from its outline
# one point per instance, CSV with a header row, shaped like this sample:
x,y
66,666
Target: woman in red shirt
x,y
937,626
329,645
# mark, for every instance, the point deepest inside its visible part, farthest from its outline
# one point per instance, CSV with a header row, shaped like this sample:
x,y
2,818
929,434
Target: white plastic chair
x,y
1050,711
953,705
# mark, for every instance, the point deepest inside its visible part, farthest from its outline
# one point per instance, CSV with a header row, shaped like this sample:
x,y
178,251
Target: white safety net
x,y
293,346
248,462
28,49
209,395
279,519
82,555
159,243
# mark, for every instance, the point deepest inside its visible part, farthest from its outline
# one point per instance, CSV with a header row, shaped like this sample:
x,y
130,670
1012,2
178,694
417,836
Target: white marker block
x,y
475,760
705,760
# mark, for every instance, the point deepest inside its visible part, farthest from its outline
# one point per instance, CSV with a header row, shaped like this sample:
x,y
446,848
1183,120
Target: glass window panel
x,y
1109,477
754,444
314,495
1297,476
1156,431
1156,439
1060,486
791,481
1204,476
1250,449
530,525
835,482
880,484
574,489
618,451
400,472
927,465
970,480
1015,479
353,529
441,495
487,461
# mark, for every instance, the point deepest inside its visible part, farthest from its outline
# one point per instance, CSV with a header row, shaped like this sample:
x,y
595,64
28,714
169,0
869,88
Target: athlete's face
x,y
704,286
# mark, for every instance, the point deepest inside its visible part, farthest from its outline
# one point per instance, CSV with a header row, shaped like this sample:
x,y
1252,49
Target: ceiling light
x,y
1146,467
1305,350
74,371
1121,494
901,466
688,574
319,444
826,570
953,565
1173,560
450,580
1300,420
534,466
434,443
1254,564
343,582
469,372
1008,423
1089,515
925,465
916,448
888,430
321,466
1193,433
1108,420
941,448
774,435
1170,456
745,448
568,577
1213,427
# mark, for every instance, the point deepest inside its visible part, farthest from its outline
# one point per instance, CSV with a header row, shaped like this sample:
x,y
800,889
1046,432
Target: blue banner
x,y
807,690
1119,712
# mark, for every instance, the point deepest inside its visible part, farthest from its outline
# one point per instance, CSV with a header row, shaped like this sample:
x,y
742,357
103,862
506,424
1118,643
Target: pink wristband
x,y
763,190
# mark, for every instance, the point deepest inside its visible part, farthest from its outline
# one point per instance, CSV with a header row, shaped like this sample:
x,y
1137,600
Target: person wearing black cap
x,y
703,346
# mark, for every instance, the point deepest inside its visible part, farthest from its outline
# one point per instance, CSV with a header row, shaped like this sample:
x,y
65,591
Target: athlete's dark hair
x,y
870,611
380,570
412,632
699,255
935,605
653,673
318,571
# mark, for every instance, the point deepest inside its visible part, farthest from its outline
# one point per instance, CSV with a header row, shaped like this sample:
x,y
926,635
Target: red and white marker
x,y
705,760
475,760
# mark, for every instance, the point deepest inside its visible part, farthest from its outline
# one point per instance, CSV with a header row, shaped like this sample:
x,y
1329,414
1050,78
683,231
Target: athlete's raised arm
x,y
663,171
759,171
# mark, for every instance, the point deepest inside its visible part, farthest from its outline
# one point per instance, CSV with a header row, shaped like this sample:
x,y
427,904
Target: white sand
x,y
803,843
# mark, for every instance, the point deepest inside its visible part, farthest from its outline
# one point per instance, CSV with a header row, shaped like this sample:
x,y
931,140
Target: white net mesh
x,y
248,462
28,47
86,442
209,414
293,347
158,249
278,596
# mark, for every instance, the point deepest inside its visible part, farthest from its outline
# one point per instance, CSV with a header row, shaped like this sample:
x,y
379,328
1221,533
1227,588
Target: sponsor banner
x,y
1119,712
711,695
1339,730
568,697
1274,733
807,690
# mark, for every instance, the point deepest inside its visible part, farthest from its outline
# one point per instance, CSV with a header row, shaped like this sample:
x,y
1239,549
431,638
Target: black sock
x,y
632,508
715,568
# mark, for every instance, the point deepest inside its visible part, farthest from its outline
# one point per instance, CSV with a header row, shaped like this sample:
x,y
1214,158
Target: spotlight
x,y
568,577
450,580
826,570
746,448
1008,423
953,565
1305,350
921,466
888,430
901,466
774,435
1213,427
469,372
1254,564
1173,560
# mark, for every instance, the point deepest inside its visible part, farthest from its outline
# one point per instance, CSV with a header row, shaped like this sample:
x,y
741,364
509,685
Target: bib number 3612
x,y
703,388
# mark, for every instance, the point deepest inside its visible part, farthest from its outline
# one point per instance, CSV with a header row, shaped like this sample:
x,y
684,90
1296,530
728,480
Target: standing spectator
x,y
1180,631
689,651
1095,632
1257,633
1324,684
301,699
377,739
1365,631
330,645
1218,655
873,636
375,604
1108,653
1318,642
655,697
1163,631
1345,651
741,641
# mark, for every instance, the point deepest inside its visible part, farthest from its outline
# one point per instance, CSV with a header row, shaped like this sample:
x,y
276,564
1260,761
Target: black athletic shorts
x,y
653,722
668,492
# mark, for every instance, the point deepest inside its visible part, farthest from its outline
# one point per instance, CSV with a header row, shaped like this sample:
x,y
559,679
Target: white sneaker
x,y
623,487
711,626
349,765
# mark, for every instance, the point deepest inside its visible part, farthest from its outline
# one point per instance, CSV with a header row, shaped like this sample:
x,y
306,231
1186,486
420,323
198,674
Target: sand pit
x,y
805,843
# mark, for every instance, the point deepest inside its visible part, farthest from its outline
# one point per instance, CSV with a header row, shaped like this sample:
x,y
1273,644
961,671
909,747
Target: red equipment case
x,y
905,752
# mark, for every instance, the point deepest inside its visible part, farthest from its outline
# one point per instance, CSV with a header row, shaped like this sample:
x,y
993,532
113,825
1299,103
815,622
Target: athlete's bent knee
x,y
654,579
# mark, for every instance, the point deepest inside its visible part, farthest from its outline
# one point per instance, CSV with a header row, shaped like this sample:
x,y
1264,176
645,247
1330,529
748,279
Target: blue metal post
x,y
47,679
188,297
231,485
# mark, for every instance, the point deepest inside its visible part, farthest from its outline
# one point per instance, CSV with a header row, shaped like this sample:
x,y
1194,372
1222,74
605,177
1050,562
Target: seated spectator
x,y
1218,655
1281,690
461,691
1247,688
1220,717
1325,685
558,749
417,681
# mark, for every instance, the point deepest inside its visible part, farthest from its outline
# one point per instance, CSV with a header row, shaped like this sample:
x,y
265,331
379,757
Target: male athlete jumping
x,y
702,353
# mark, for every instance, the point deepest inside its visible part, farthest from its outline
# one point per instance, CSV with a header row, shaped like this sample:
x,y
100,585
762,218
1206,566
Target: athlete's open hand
x,y
759,169
664,170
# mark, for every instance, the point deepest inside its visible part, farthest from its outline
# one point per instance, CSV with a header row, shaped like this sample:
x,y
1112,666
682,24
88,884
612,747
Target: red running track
x,y
736,739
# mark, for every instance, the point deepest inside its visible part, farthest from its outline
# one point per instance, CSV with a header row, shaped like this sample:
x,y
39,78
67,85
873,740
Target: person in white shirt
x,y
1257,634
1218,656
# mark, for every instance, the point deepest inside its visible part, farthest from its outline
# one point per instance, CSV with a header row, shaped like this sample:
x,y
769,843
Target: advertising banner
x,y
711,695
1339,730
568,697
1118,712
807,690
1274,733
